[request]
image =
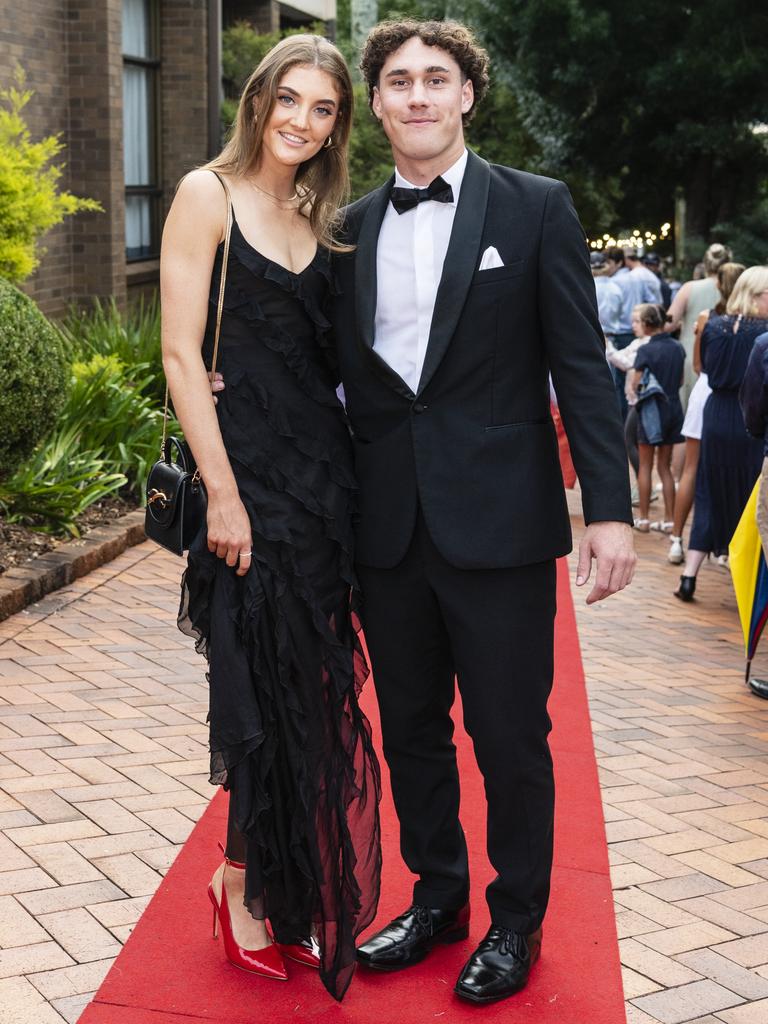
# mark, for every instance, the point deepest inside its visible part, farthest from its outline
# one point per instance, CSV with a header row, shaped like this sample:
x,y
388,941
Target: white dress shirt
x,y
409,265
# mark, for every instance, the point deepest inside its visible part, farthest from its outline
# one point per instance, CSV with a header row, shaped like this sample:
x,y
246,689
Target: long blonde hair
x,y
750,284
322,181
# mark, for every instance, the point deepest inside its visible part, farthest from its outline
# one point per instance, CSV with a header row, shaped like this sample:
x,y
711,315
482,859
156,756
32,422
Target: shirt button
x,y
418,407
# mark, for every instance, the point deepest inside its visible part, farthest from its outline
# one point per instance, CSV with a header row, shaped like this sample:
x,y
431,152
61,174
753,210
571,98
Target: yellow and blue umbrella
x,y
749,572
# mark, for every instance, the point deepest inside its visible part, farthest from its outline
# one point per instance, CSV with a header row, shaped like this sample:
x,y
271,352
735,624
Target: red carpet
x,y
171,972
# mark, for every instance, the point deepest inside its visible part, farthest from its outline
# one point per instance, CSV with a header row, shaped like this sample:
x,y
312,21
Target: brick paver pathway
x,y
103,773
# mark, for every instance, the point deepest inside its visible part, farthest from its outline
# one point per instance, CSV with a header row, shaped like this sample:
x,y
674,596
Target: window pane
x,y
139,128
136,28
138,226
137,125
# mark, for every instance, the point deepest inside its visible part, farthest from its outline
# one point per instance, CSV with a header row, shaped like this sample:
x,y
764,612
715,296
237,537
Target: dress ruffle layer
x,y
287,736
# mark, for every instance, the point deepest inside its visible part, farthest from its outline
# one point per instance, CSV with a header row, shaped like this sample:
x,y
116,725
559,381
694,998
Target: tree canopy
x,y
654,99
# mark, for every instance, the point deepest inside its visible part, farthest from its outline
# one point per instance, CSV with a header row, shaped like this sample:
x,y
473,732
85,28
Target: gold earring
x,y
328,144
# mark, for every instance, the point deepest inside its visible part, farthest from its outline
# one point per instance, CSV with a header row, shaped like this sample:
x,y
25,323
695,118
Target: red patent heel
x,y
307,952
267,962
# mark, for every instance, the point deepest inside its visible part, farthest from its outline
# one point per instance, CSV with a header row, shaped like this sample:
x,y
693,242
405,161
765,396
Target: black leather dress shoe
x,y
500,965
408,939
759,687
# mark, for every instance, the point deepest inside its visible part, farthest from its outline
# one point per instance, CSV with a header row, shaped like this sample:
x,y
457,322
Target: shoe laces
x,y
422,915
513,942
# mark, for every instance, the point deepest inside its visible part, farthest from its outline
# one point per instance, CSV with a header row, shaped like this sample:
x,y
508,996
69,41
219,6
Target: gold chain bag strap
x,y
176,501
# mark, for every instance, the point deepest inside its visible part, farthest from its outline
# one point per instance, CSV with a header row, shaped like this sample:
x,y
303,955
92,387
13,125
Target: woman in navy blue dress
x,y
730,459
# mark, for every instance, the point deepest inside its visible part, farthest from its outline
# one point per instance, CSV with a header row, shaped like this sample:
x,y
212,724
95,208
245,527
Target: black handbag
x,y
176,502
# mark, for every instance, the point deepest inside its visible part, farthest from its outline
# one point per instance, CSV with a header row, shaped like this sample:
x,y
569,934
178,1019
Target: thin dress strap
x,y
223,280
227,192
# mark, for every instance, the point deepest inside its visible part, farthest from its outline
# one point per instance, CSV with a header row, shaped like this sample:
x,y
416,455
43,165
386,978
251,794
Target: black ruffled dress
x,y
287,737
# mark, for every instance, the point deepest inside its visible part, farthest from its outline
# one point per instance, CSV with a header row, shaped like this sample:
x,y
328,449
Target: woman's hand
x,y
229,531
217,385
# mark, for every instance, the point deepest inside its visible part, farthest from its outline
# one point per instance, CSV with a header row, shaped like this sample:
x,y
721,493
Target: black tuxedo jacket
x,y
475,446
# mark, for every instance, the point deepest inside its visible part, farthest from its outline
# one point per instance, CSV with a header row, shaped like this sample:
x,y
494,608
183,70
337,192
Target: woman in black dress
x,y
267,587
730,459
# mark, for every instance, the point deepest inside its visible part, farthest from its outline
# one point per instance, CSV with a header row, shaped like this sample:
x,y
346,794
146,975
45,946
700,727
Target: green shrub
x,y
112,414
34,375
108,437
56,485
133,337
370,155
30,200
748,234
228,116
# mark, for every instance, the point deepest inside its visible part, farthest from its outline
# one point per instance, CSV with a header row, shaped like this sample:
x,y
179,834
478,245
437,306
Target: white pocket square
x,y
490,259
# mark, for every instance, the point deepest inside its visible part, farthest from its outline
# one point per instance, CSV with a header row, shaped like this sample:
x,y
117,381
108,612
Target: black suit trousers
x,y
427,623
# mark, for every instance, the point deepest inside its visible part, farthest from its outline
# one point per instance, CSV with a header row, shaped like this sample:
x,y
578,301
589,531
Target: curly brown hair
x,y
451,36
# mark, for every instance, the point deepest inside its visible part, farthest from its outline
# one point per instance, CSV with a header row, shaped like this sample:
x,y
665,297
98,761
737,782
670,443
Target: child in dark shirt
x,y
664,358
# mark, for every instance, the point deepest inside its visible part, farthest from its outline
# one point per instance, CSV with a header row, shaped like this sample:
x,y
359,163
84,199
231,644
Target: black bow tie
x,y
407,198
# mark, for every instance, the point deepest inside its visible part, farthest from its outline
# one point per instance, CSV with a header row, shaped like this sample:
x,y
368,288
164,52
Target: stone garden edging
x,y
22,585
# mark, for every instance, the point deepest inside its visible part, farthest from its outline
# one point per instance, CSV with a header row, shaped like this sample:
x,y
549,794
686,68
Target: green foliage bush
x,y
109,429
30,200
748,236
112,414
34,375
370,156
57,484
107,439
132,337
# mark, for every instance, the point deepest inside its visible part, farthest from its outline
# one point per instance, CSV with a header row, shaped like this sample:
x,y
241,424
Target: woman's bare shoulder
x,y
685,289
199,204
201,184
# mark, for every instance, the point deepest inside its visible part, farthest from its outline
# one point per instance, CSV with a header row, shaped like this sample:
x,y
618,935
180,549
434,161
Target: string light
x,y
637,238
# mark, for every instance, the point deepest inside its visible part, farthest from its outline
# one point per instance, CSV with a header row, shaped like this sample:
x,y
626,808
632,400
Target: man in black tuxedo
x,y
469,284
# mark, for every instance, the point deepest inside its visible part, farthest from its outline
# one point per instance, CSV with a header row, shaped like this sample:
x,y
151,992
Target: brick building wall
x,y
184,88
264,15
71,51
33,35
95,147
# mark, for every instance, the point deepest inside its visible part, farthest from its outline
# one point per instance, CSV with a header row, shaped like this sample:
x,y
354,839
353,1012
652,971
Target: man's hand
x,y
217,384
611,544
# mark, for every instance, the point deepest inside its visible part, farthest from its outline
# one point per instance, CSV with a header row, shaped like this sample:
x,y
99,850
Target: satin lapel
x,y
461,261
366,287
365,262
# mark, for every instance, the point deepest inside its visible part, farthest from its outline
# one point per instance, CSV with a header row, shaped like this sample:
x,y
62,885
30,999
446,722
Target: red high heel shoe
x,y
266,962
307,952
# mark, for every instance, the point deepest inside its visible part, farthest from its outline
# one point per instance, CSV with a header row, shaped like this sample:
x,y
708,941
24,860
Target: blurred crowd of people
x,y
690,365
